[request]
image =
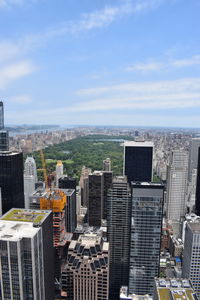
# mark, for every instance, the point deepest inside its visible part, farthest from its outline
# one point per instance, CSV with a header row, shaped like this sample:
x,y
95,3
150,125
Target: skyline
x,y
122,62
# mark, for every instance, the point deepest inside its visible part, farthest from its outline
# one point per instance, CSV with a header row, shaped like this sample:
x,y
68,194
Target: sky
x,y
100,62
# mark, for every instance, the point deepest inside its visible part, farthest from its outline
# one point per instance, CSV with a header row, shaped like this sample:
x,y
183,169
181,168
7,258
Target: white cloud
x,y
145,67
164,64
21,99
194,60
15,71
182,93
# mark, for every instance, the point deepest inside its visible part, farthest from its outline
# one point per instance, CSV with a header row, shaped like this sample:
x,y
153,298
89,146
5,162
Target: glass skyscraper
x,y
146,228
138,160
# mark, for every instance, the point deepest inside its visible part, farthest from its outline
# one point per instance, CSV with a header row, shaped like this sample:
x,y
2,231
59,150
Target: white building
x,y
59,171
193,156
30,168
191,255
29,188
177,185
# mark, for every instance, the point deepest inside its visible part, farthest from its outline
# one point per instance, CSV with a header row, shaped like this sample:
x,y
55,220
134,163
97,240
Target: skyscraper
x,y
118,230
191,255
197,200
107,164
4,141
145,241
138,160
107,183
193,156
176,185
11,180
59,171
96,193
26,255
86,273
30,168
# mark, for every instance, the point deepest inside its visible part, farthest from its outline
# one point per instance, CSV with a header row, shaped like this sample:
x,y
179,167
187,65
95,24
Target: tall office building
x,y
193,156
177,185
26,255
86,274
4,140
197,198
30,168
107,165
191,255
138,161
66,182
29,188
96,193
107,183
146,228
84,185
118,230
11,180
59,171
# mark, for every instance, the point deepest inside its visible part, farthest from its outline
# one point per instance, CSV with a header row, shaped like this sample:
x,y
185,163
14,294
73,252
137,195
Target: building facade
x,y
118,233
138,161
11,180
26,255
86,273
145,241
191,255
30,168
96,195
177,185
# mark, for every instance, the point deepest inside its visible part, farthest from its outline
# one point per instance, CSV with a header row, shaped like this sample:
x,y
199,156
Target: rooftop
x,y
194,226
174,288
138,144
25,215
15,231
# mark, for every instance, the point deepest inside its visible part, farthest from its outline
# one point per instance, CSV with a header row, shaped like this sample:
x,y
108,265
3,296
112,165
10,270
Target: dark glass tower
x,y
118,222
138,159
197,204
11,180
146,228
96,193
4,144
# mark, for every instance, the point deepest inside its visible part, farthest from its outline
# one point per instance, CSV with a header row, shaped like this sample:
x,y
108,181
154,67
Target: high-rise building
x,y
107,183
29,188
66,182
197,198
96,193
191,255
59,171
11,180
173,288
193,156
118,233
177,185
84,185
26,255
145,240
4,140
71,214
86,274
30,168
107,165
138,161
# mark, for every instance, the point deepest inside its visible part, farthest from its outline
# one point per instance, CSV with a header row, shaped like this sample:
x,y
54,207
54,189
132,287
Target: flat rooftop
x,y
15,231
138,144
174,289
25,215
194,226
176,294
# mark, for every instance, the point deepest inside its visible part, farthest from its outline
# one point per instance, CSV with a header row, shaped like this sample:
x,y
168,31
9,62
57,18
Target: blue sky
x,y
103,62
